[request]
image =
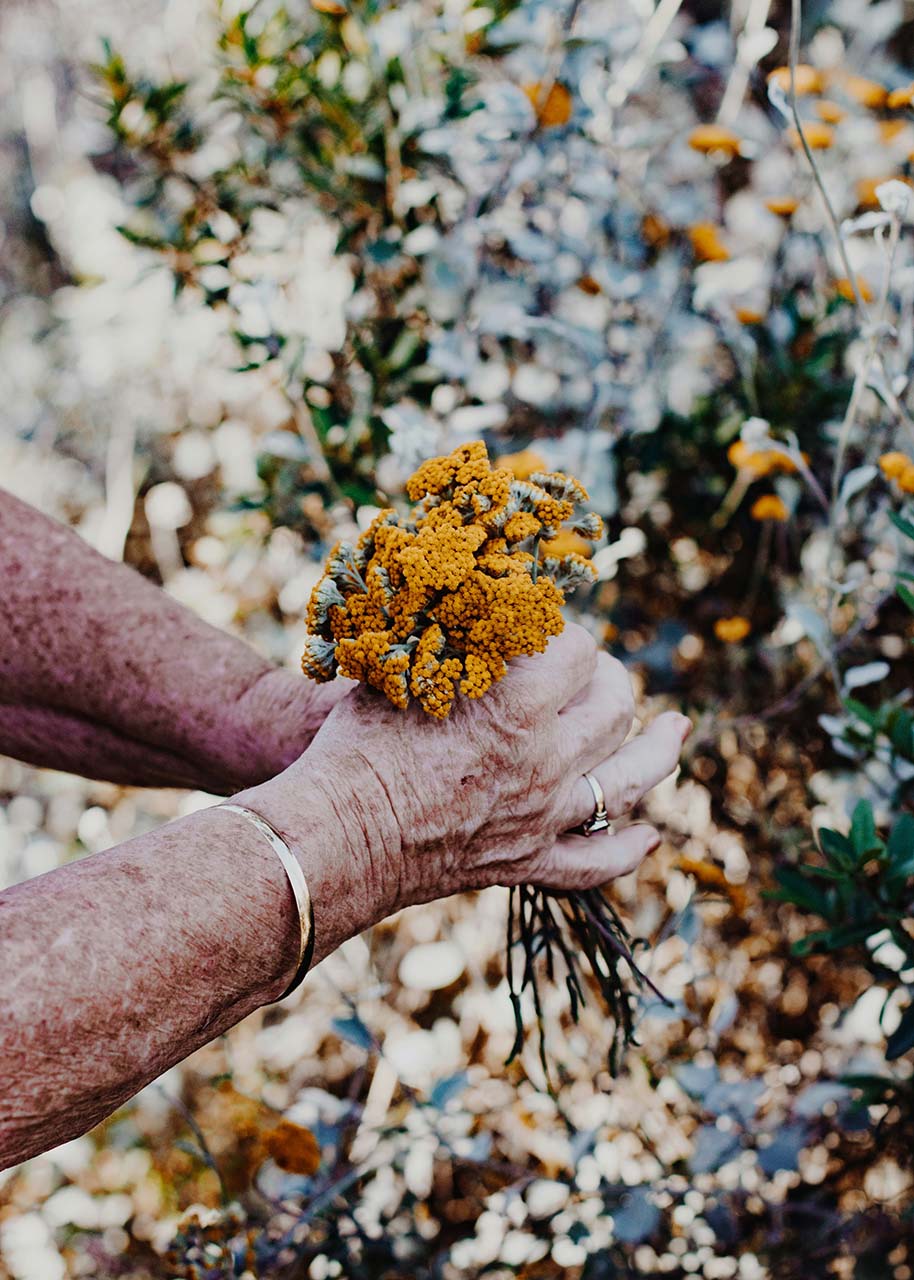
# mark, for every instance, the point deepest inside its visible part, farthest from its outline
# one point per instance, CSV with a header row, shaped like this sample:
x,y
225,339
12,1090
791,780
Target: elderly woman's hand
x,y
415,809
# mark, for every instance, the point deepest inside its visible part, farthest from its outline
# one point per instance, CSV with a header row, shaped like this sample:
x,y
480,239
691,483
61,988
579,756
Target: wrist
x,y
264,730
342,839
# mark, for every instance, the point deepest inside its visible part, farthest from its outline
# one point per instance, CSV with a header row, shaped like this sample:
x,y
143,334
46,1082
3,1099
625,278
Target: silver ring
x,y
599,819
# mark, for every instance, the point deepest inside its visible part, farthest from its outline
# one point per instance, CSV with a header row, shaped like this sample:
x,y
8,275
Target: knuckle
x,y
626,695
579,647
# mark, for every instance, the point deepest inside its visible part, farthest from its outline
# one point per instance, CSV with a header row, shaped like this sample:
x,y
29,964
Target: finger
x,y
635,769
600,717
582,862
556,676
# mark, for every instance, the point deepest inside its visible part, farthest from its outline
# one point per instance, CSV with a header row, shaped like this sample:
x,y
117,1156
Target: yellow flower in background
x,y
846,290
906,479
710,876
745,315
783,206
889,130
901,97
769,507
869,93
714,137
732,630
819,137
706,242
567,543
437,603
522,465
807,79
867,187
893,464
554,108
758,461
761,462
830,112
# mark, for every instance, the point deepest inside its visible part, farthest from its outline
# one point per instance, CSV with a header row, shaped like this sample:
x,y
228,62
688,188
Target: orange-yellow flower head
x,y
436,603
714,137
706,242
783,206
732,630
769,507
819,137
522,465
553,103
901,97
806,79
759,462
894,464
869,93
830,112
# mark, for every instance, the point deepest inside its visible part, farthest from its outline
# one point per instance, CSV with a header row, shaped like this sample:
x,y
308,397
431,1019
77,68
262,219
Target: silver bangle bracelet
x,y
298,885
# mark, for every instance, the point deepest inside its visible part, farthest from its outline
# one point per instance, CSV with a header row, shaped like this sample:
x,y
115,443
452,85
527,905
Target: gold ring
x,y
599,819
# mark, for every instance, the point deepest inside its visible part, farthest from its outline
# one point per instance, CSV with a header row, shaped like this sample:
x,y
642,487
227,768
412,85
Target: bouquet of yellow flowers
x,y
433,605
439,602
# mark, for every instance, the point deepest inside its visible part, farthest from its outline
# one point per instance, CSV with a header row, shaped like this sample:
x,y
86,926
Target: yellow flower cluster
x,y
760,462
732,630
769,507
898,466
437,603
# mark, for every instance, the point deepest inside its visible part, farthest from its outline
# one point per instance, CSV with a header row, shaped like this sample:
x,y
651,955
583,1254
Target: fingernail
x,y
685,726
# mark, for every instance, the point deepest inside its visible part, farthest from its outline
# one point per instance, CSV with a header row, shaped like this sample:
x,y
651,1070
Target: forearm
x,y
114,968
104,674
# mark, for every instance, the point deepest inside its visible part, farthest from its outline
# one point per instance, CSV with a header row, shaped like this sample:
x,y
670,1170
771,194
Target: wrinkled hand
x,y
428,808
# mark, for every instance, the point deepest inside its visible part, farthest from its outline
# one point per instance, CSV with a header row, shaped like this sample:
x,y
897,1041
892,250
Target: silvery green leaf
x,y
866,222
285,444
439,142
505,320
636,1218
813,624
854,481
531,246
475,1149
354,1030
783,1150
813,1098
756,432
868,673
726,1013
696,1079
661,1012
581,1143
778,99
735,1097
362,167
471,419
713,1147
894,197
447,1088
754,46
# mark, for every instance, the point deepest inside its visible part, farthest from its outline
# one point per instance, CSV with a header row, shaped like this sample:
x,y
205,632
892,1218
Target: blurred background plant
x,y
260,260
